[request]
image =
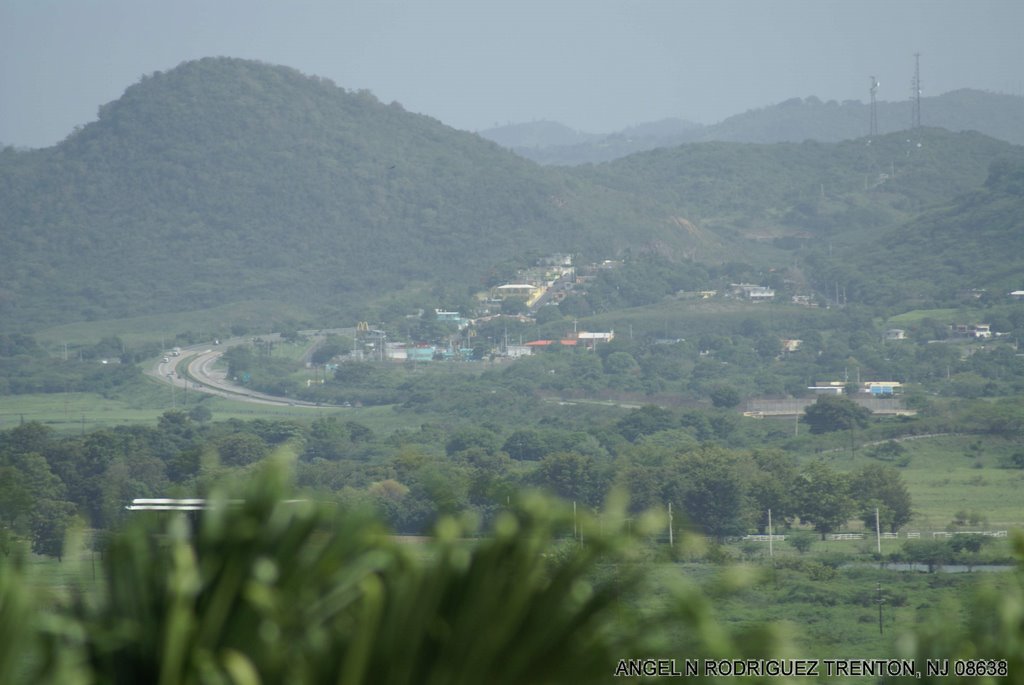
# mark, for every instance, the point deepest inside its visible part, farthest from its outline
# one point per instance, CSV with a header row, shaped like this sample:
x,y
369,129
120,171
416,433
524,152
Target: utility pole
x,y
671,542
878,533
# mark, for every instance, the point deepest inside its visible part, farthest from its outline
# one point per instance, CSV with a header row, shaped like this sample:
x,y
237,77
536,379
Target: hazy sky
x,y
595,65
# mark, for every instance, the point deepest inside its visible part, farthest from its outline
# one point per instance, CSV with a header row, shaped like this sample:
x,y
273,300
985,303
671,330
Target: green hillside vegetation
x,y
227,181
970,243
823,189
795,120
974,242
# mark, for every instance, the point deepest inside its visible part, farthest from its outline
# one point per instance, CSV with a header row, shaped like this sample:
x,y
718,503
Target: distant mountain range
x,y
795,120
227,181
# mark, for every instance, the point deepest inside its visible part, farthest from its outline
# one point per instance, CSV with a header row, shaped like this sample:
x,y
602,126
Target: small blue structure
x,y
420,354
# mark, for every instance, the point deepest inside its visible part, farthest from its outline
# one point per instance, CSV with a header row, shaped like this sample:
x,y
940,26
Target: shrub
x,y
802,540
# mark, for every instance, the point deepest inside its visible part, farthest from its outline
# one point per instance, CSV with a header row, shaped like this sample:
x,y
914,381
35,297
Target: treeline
x,y
104,368
720,472
411,477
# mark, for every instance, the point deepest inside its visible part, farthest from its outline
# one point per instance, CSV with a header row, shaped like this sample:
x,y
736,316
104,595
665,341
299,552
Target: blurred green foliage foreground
x,y
271,590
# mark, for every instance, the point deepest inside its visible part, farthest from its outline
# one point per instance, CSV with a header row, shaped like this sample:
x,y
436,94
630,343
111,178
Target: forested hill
x,y
795,120
997,115
812,189
975,242
225,180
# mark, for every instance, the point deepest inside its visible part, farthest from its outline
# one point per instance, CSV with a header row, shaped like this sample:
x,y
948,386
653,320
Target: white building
x,y
754,293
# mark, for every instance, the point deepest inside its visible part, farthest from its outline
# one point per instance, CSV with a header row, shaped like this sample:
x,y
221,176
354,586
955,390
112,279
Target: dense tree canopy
x,y
835,413
826,502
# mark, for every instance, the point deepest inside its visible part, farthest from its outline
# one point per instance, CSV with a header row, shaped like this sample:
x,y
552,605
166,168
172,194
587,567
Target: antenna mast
x,y
873,130
916,91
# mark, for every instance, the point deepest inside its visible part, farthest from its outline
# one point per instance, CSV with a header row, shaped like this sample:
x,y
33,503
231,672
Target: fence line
x,y
913,535
986,533
764,538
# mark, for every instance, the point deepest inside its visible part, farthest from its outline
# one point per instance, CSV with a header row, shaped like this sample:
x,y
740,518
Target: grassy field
x,y
205,323
73,413
916,315
69,413
949,474
830,618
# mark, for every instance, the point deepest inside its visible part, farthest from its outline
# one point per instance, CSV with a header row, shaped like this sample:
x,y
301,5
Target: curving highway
x,y
193,371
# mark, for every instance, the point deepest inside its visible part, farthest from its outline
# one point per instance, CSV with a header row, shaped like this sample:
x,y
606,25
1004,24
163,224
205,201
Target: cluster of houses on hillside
x,y
550,281
376,346
556,276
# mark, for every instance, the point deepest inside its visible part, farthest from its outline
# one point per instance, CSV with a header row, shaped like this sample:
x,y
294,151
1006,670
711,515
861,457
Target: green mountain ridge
x,y
795,120
228,180
810,188
975,242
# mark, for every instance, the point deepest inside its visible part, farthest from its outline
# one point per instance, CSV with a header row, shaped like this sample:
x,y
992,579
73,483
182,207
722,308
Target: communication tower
x,y
916,91
873,129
